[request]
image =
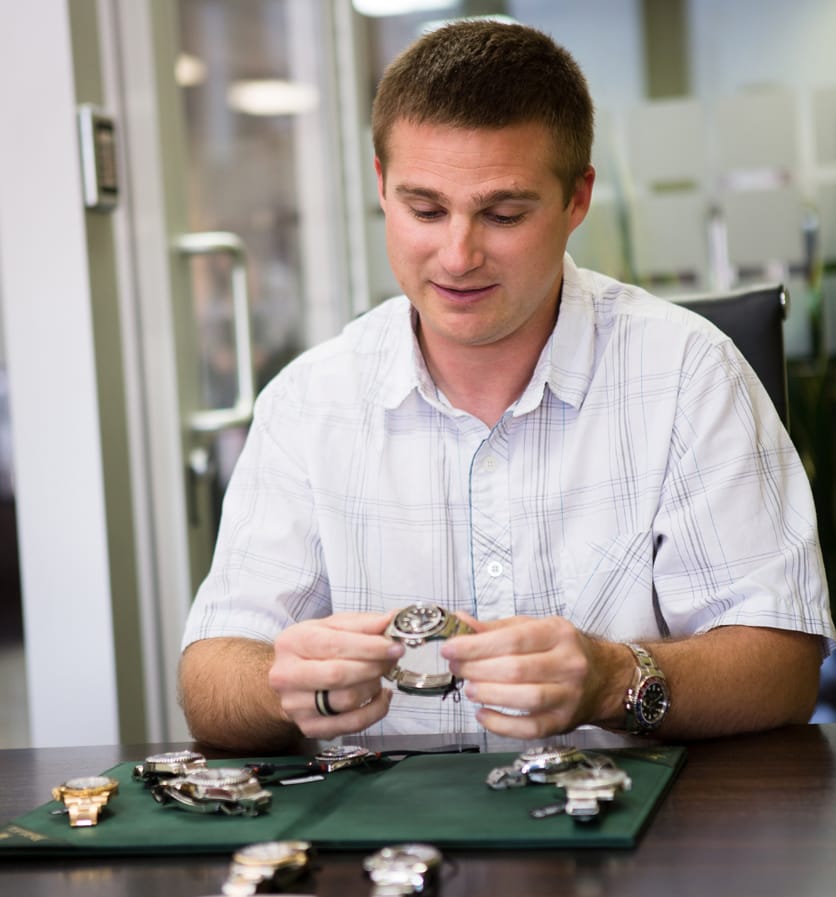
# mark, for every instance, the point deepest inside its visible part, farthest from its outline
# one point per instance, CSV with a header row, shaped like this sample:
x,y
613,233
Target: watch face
x,y
88,783
220,777
420,620
271,853
341,752
337,757
418,857
548,758
172,757
652,702
594,779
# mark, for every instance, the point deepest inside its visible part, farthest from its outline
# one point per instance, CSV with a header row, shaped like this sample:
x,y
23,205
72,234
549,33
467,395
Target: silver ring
x,y
323,705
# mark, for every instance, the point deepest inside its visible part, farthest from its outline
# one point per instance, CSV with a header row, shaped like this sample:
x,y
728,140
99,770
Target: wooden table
x,y
750,816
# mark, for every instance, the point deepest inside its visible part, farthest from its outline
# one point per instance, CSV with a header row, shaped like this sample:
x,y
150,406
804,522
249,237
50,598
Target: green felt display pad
x,y
441,799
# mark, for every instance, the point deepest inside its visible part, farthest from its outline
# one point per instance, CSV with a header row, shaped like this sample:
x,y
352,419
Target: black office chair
x,y
754,318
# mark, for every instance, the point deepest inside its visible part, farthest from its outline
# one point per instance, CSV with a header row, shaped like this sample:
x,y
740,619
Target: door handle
x,y
240,413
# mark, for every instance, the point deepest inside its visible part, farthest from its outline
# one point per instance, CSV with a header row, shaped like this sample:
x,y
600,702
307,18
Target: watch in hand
x,y
414,626
84,797
168,765
404,869
267,866
648,699
233,791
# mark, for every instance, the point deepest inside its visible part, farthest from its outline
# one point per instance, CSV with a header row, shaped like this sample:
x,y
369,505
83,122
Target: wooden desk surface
x,y
751,816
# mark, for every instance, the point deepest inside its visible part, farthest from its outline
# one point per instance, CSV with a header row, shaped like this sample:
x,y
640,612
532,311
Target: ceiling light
x,y
397,7
189,71
271,96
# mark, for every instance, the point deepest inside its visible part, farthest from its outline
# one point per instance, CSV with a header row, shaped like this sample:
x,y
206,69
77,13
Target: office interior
x,y
130,348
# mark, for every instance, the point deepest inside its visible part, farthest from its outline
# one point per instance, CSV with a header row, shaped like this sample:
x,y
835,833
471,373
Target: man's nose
x,y
462,251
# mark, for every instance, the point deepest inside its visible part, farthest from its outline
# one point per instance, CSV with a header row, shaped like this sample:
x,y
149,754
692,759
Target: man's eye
x,y
505,220
426,214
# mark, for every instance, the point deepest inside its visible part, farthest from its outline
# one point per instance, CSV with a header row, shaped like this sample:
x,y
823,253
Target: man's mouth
x,y
463,294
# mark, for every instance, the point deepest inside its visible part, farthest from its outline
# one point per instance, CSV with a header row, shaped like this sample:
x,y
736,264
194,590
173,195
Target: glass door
x,y
235,243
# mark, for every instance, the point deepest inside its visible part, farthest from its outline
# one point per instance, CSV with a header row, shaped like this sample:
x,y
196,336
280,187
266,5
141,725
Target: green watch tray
x,y
441,799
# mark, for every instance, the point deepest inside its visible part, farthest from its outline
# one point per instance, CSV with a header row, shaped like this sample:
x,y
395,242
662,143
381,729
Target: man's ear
x,y
381,188
581,197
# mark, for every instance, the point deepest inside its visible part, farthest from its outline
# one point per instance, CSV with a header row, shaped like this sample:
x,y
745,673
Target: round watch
x,y
540,764
414,626
340,756
233,791
404,869
171,764
271,865
648,699
84,797
589,784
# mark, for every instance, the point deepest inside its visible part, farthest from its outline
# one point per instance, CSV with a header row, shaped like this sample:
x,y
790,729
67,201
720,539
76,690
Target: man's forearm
x,y
737,679
226,697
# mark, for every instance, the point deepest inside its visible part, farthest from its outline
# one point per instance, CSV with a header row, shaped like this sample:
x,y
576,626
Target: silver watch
x,y
414,626
270,865
233,791
169,764
540,764
404,869
589,784
648,699
340,756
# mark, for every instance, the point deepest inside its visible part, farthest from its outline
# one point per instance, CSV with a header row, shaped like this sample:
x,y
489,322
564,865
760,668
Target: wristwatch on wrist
x,y
84,796
414,626
404,869
268,866
233,791
648,699
168,765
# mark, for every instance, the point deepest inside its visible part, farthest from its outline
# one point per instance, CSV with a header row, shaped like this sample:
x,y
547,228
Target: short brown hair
x,y
486,74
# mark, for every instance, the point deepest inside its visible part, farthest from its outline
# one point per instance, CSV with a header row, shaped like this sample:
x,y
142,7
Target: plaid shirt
x,y
641,486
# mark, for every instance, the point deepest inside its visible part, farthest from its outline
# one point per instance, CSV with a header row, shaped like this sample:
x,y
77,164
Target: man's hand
x,y
346,655
550,675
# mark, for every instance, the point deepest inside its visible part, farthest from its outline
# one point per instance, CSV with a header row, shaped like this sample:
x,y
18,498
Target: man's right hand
x,y
344,655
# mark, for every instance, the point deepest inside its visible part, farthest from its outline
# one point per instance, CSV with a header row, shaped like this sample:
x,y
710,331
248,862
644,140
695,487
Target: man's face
x,y
476,228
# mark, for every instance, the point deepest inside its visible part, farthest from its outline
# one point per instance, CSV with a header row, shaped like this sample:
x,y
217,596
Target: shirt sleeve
x,y
267,571
735,537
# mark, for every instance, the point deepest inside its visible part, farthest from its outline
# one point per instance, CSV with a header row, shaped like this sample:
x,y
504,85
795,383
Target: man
x,y
568,464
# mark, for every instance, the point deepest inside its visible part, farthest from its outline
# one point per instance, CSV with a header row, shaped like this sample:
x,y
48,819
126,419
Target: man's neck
x,y
483,380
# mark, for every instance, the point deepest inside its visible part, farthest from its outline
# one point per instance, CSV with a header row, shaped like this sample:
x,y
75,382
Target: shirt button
x,y
494,568
490,464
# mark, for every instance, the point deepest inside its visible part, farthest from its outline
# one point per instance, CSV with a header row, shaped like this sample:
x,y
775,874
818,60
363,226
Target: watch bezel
x,y
88,786
650,713
430,630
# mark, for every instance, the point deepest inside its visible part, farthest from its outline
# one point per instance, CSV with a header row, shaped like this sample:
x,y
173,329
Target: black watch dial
x,y
653,705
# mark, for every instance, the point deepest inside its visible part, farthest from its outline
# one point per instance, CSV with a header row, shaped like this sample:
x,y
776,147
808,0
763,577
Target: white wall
x,y
44,288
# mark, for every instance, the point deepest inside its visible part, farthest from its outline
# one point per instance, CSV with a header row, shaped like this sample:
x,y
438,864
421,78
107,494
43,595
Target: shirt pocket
x,y
607,585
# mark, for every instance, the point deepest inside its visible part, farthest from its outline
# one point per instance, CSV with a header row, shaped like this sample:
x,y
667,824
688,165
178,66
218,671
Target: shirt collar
x,y
567,361
565,364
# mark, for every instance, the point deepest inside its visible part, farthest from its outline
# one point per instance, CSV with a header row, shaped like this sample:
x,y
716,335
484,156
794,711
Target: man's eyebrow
x,y
481,200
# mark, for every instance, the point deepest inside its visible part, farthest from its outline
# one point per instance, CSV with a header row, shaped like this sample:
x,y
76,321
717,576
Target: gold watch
x,y
84,797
